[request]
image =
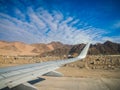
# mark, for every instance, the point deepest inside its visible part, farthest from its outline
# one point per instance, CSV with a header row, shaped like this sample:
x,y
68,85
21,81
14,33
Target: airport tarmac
x,y
72,83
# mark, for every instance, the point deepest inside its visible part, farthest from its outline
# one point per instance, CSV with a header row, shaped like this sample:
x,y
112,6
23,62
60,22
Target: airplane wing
x,y
18,76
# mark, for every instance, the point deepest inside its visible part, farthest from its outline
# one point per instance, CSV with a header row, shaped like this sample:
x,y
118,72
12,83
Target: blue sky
x,y
67,21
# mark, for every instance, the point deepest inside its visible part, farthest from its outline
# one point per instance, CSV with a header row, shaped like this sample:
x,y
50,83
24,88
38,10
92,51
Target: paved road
x,y
70,83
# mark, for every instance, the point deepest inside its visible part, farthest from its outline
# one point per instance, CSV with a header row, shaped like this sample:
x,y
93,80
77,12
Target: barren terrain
x,y
96,72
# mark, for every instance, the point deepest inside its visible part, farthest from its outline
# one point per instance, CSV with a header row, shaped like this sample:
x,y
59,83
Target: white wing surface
x,y
12,77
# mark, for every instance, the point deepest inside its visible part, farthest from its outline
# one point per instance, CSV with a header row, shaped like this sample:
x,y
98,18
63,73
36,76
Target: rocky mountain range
x,y
56,49
107,48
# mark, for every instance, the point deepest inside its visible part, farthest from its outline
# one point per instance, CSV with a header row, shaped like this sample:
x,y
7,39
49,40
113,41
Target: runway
x,y
72,83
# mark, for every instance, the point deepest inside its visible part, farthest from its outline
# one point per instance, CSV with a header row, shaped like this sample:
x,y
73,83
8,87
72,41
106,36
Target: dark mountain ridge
x,y
107,48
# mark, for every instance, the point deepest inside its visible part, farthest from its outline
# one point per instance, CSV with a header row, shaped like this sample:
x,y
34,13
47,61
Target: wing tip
x,y
84,51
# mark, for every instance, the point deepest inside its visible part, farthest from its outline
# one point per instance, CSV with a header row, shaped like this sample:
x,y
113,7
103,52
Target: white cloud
x,y
46,27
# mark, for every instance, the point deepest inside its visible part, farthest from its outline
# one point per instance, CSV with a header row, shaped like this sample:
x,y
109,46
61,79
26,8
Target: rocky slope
x,y
107,48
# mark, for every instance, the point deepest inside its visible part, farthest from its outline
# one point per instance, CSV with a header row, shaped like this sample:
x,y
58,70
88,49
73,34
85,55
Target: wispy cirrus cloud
x,y
44,26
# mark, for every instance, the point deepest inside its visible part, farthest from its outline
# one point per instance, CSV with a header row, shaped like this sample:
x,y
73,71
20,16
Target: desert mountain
x,y
56,48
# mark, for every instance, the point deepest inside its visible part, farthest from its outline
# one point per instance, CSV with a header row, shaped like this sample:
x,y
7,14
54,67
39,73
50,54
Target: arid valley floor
x,y
93,73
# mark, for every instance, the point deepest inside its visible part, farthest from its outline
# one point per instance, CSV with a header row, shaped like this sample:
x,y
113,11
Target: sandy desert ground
x,y
72,83
82,79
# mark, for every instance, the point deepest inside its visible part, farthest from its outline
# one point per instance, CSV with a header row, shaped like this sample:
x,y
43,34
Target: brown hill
x,y
40,48
56,45
59,49
15,48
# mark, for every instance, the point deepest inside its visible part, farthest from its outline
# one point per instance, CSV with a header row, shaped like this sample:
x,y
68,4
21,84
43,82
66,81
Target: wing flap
x,y
25,86
54,73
